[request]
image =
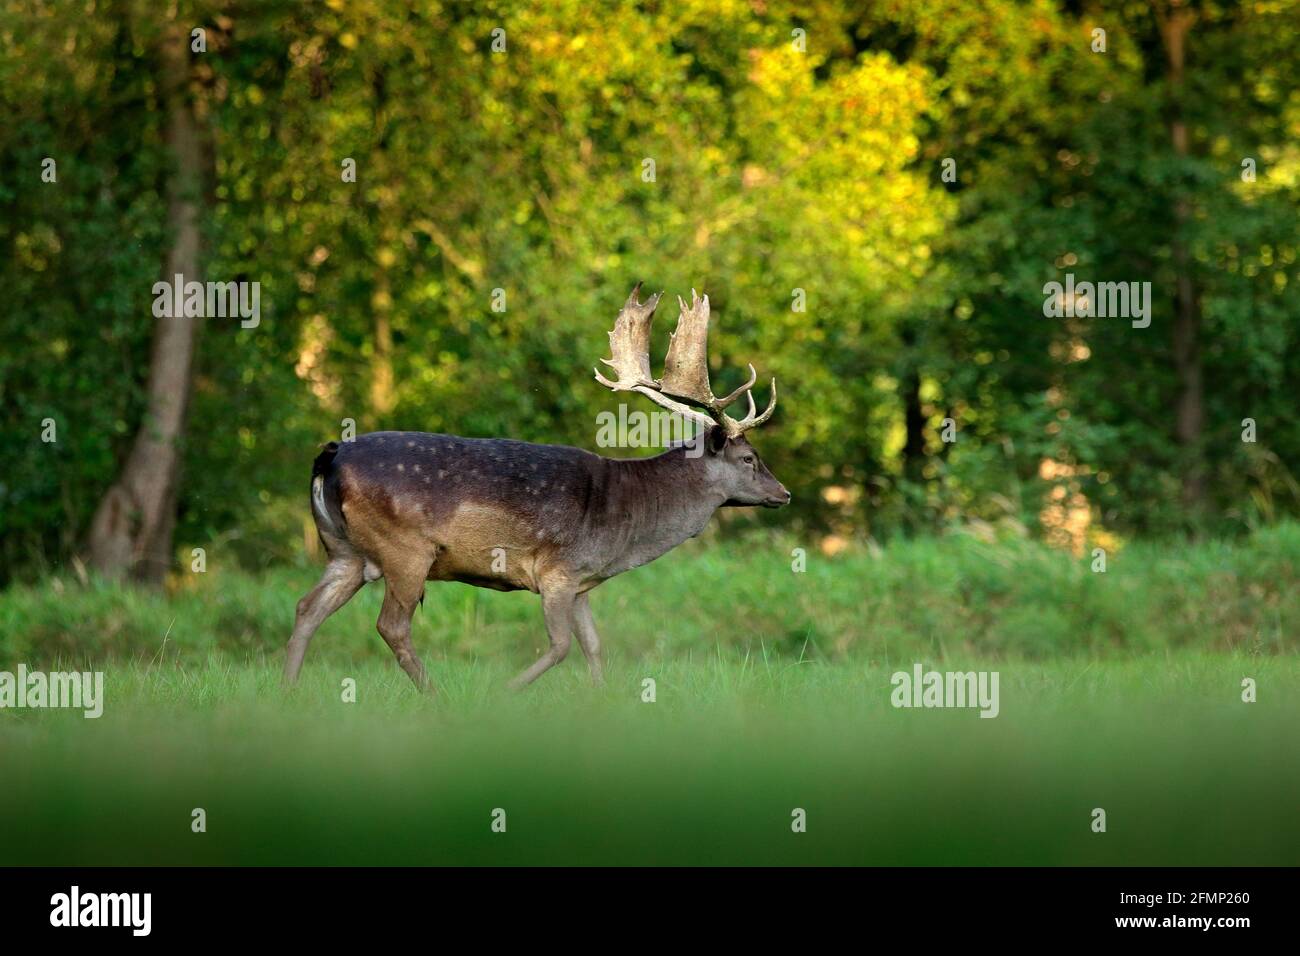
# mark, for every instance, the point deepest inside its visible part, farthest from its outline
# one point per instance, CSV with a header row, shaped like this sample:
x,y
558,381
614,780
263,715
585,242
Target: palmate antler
x,y
686,368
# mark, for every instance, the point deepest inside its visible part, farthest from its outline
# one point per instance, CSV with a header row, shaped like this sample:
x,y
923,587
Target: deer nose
x,y
782,497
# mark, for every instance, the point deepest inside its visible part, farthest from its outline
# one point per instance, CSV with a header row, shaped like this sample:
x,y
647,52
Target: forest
x,y
895,208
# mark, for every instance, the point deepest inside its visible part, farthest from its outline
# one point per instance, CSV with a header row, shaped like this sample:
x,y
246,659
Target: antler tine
x,y
751,420
629,343
753,377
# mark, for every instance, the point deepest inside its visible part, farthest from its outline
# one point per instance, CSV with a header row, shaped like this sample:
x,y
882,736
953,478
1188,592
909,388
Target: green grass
x,y
1120,691
933,598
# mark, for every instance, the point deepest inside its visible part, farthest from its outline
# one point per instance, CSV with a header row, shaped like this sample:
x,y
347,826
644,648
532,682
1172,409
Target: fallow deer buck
x,y
412,507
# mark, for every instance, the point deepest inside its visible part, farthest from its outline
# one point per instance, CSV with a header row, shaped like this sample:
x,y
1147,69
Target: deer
x,y
413,507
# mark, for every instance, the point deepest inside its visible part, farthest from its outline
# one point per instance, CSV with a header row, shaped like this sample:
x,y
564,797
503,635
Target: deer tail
x,y
325,504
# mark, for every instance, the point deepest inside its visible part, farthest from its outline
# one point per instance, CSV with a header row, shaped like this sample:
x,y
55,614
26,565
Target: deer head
x,y
734,465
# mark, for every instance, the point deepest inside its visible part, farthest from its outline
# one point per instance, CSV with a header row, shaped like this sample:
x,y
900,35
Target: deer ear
x,y
716,440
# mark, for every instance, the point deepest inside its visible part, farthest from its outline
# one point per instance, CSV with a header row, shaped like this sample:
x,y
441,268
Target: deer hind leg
x,y
343,578
584,628
557,608
404,588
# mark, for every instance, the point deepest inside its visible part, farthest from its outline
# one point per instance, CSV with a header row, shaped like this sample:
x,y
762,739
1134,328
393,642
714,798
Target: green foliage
x,y
776,170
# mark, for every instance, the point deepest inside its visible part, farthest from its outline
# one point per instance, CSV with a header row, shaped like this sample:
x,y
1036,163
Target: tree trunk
x,y
381,363
914,419
382,398
131,533
1189,407
914,457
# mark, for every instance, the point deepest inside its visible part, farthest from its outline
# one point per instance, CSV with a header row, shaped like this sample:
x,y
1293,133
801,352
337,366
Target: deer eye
x,y
748,459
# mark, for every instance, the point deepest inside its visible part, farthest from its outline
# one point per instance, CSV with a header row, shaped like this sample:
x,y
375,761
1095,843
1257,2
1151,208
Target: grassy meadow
x,y
1119,691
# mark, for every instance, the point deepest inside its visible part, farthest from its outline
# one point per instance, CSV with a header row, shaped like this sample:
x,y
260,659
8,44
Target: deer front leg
x,y
557,608
588,639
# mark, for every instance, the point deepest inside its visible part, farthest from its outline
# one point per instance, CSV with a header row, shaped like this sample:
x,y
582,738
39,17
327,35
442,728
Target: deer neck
x,y
655,504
